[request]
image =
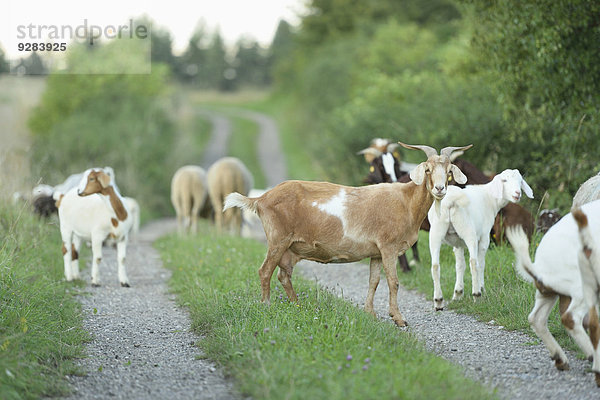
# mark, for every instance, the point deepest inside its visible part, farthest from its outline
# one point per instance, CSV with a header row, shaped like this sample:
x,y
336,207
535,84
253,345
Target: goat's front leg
x,y
96,258
389,266
66,247
436,235
75,246
122,270
374,277
475,280
481,252
459,286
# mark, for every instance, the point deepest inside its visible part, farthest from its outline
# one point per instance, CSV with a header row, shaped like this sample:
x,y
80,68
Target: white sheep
x,y
556,275
588,191
464,218
188,195
331,223
225,176
94,211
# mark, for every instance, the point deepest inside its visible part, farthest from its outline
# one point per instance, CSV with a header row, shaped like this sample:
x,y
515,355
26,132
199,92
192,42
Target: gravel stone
x,y
142,346
505,361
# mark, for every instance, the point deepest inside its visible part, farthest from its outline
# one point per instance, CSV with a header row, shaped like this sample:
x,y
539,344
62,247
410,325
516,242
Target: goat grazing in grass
x,y
226,176
464,218
94,211
557,276
331,223
188,195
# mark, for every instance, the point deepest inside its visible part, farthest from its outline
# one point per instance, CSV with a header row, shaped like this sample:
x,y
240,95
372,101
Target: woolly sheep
x,y
225,176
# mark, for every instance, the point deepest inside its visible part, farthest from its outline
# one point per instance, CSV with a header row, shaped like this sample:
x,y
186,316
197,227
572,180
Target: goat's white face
x,y
510,185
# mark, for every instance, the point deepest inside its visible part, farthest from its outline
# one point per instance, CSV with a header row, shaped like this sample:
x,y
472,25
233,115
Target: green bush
x,y
86,121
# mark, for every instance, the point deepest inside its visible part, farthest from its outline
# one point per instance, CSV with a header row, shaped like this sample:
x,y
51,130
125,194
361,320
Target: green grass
x,y
507,300
40,320
320,347
243,145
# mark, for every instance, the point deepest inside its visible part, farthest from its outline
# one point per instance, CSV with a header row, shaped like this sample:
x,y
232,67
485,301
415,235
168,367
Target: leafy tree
x,y
331,19
545,65
194,56
3,62
251,63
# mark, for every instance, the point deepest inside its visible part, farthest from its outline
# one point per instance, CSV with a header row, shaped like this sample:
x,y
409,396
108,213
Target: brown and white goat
x,y
94,211
331,223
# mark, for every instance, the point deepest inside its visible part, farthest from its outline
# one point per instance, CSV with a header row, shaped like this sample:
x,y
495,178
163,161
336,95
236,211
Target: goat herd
x,y
330,223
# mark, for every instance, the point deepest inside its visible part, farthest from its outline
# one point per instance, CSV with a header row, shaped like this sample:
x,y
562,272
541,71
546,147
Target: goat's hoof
x,y
95,285
476,297
401,323
438,304
458,294
125,284
561,365
597,378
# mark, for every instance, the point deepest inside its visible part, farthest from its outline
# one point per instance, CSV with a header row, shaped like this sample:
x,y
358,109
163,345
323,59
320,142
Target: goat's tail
x,y
238,200
523,264
587,241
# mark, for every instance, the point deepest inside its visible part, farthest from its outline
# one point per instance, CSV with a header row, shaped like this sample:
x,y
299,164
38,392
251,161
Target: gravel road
x,y
502,360
142,346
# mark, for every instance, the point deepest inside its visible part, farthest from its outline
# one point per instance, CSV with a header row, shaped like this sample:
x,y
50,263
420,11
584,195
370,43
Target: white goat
x,y
589,267
556,275
331,223
94,211
464,218
588,191
226,176
188,195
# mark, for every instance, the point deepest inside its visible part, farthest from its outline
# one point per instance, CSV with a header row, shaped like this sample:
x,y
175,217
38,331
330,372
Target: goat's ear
x,y
417,175
104,179
497,187
458,175
527,189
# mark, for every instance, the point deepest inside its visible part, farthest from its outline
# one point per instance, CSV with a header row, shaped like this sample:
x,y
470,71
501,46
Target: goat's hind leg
x,y
538,319
374,277
265,272
122,270
286,267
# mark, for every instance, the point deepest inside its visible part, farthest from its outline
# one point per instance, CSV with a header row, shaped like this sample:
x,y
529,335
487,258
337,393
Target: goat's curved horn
x,y
429,151
455,155
370,150
447,151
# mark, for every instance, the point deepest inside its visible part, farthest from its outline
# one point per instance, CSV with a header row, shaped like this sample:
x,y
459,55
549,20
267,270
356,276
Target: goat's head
x,y
378,147
437,169
509,185
94,180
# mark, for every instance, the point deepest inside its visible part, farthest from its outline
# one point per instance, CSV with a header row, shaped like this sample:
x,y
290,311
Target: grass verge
x,y
320,347
40,320
507,300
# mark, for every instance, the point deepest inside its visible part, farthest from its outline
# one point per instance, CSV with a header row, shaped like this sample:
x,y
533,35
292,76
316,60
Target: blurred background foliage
x,y
521,81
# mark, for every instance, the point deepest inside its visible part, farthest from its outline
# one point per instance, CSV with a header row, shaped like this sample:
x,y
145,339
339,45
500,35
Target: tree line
x,y
520,81
206,63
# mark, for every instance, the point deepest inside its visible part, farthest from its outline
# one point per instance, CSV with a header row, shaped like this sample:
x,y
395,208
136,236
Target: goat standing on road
x,y
331,223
